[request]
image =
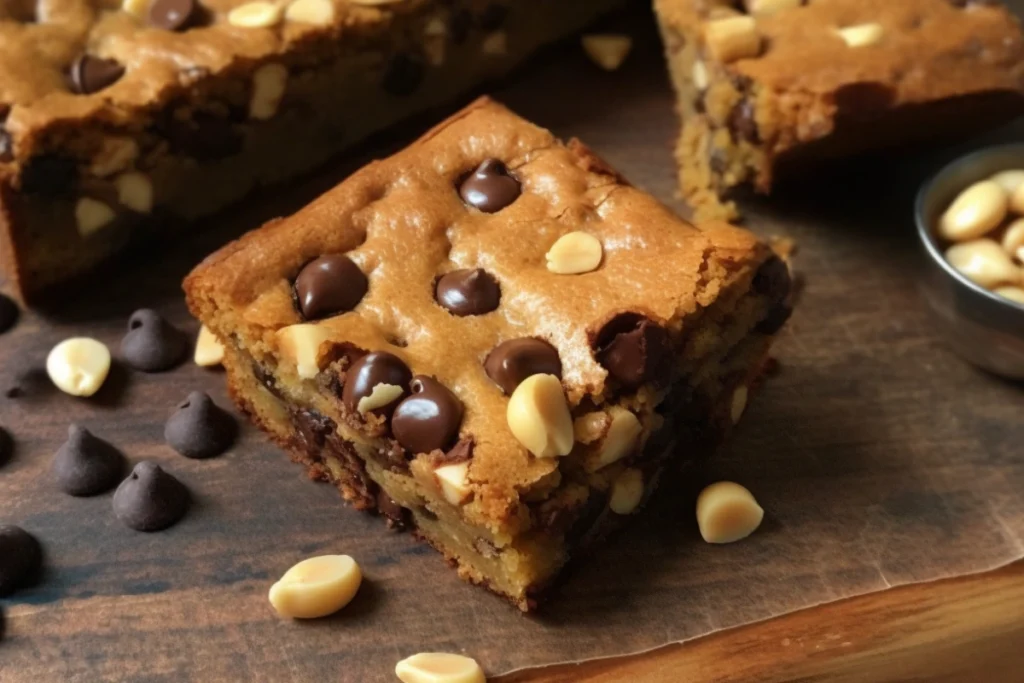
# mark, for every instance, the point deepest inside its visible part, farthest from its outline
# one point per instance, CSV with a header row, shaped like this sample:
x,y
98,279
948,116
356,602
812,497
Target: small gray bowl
x,y
984,328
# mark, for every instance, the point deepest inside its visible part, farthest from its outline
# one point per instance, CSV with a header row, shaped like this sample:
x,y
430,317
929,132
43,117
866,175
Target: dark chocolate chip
x,y
403,74
21,557
773,279
6,446
397,516
8,313
86,465
429,419
742,123
49,175
204,137
150,499
172,15
468,292
512,361
152,344
89,74
312,428
493,16
775,319
379,367
490,187
328,286
200,428
634,350
460,25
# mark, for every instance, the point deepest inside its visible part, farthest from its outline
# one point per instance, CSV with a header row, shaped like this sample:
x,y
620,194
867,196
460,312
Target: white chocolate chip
x,y
495,44
316,587
301,345
1009,180
92,215
454,481
209,350
732,38
134,191
761,8
607,50
627,492
575,253
78,366
738,403
1011,293
623,433
115,155
699,75
258,14
137,8
439,667
983,261
381,395
435,36
539,418
268,85
727,512
861,35
974,212
435,28
316,12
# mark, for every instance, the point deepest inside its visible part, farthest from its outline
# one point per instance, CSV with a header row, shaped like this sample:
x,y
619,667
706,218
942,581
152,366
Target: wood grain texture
x,y
880,457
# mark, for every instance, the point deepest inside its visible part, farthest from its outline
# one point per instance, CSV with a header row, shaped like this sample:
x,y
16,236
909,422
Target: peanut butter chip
x,y
92,215
627,492
1015,294
727,512
301,345
983,262
134,191
268,86
78,366
316,587
255,15
975,211
439,667
623,433
738,403
539,418
575,253
1009,180
608,51
861,35
209,350
316,12
732,38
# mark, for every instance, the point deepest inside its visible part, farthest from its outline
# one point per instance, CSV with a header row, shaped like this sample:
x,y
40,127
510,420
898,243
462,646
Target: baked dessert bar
x,y
493,339
119,117
768,87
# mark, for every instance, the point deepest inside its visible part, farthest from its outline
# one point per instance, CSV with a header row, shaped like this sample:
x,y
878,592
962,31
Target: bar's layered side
x,y
765,86
114,123
403,399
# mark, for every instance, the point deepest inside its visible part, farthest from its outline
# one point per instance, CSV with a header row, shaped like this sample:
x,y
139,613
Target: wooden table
x,y
860,354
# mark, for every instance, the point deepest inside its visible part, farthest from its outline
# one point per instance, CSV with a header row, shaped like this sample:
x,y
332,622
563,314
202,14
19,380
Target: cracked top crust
x,y
403,222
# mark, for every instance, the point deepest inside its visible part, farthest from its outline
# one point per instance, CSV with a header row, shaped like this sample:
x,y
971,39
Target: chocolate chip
x,y
468,292
86,465
200,428
172,15
397,516
6,446
152,344
742,124
512,361
429,419
8,313
773,279
328,286
490,187
493,16
49,175
150,499
21,557
634,350
379,367
403,74
204,137
89,74
6,145
775,319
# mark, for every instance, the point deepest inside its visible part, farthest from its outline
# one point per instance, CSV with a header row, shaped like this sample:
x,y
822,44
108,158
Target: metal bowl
x,y
984,328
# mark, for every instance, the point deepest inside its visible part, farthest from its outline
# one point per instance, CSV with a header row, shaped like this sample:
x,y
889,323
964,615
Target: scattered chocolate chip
x,y
150,499
328,286
8,313
200,428
312,428
742,122
512,361
89,74
403,74
6,446
172,15
429,419
460,452
397,516
468,292
634,350
49,175
490,187
86,465
379,367
493,16
20,558
152,344
773,279
775,319
204,137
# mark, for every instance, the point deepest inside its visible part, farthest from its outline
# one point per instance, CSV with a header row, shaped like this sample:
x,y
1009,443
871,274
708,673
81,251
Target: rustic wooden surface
x,y
881,458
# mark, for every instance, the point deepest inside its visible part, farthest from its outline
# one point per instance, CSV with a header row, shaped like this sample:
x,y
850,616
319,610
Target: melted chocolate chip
x,y
773,279
86,465
775,319
89,74
468,292
634,350
6,446
172,15
429,419
512,361
493,16
379,367
490,187
152,344
403,74
312,428
460,25
397,516
742,123
21,557
150,499
8,313
49,175
328,286
204,137
200,428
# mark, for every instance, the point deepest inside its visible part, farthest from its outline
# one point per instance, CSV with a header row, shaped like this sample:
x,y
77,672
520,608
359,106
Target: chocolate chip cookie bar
x,y
125,117
767,88
491,338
